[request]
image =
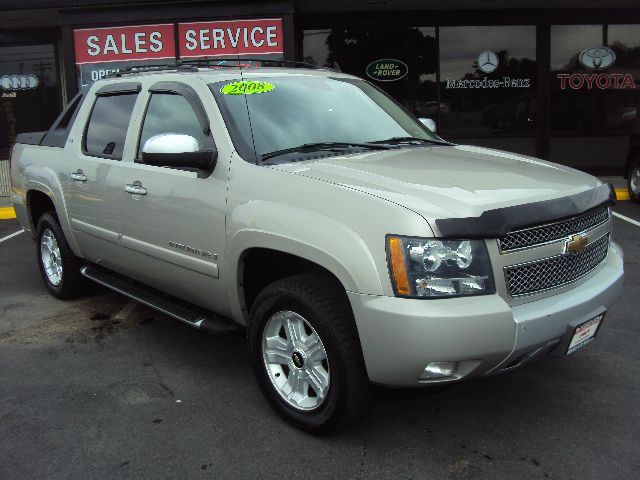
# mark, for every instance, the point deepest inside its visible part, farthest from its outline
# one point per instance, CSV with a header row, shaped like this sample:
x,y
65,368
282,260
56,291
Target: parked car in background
x,y
632,166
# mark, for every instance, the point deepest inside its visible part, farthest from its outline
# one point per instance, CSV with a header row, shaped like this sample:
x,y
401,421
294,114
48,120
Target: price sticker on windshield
x,y
246,87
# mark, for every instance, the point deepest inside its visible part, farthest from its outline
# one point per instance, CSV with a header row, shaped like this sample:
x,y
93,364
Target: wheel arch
x,y
38,203
279,257
39,199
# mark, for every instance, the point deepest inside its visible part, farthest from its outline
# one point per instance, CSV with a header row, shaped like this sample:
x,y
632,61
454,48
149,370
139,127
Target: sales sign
x,y
117,44
230,38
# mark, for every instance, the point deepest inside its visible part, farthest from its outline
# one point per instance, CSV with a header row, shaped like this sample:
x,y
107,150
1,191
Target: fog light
x,y
439,370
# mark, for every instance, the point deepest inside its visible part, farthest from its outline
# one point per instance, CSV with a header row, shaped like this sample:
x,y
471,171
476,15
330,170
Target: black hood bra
x,y
500,221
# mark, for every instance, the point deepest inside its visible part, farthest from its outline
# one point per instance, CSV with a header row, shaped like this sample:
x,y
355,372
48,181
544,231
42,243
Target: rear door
x,y
173,232
93,180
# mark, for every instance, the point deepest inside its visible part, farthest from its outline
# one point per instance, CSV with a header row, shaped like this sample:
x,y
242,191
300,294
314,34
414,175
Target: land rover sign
x,y
387,70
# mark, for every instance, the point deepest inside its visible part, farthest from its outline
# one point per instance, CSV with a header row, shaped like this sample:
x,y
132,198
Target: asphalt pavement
x,y
104,388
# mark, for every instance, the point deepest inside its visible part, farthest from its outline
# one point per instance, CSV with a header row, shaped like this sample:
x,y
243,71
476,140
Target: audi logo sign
x,y
597,58
19,82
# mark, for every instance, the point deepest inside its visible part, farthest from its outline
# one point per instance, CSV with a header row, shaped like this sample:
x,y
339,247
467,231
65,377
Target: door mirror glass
x,y
177,151
429,123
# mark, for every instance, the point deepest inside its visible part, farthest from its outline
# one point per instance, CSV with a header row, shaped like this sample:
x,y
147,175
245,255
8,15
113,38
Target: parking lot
x,y
104,388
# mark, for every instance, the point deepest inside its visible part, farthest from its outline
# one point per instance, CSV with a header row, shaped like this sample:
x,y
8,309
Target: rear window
x,y
107,128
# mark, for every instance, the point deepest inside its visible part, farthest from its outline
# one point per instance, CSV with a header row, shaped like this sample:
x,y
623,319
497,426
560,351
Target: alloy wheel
x,y
51,257
296,360
634,180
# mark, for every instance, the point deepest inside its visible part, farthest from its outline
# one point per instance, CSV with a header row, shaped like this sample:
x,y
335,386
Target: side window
x,y
107,128
171,113
69,113
59,131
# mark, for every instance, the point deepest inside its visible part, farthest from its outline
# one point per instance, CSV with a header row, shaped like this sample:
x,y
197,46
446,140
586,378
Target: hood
x,y
448,181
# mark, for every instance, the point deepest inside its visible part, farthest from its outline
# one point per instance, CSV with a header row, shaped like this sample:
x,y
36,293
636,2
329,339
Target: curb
x,y
7,213
622,194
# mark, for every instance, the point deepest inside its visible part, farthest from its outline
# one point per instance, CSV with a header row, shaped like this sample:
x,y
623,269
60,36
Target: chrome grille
x,y
553,231
555,271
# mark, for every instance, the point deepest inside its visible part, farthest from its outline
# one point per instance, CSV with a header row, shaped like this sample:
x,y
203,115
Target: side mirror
x,y
178,151
429,123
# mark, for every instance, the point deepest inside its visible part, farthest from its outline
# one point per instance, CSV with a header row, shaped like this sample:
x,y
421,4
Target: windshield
x,y
278,113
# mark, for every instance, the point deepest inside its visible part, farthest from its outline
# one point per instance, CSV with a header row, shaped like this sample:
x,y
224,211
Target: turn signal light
x,y
398,266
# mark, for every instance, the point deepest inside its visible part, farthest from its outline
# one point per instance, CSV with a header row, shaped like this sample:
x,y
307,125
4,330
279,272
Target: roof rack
x,y
240,62
150,68
191,65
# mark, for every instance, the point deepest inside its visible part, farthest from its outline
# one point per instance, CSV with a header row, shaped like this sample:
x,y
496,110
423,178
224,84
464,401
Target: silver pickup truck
x,y
354,244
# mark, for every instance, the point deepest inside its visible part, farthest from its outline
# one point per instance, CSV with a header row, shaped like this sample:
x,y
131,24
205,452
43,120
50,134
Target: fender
x,y
44,180
256,223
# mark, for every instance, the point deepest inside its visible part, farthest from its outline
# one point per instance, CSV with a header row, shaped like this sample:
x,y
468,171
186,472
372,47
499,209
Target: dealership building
x,y
555,79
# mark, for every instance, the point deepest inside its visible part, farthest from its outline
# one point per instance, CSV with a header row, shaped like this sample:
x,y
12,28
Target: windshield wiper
x,y
330,146
410,140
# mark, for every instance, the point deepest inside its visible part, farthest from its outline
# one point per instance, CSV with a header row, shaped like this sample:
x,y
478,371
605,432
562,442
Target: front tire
x,y
634,180
59,267
306,354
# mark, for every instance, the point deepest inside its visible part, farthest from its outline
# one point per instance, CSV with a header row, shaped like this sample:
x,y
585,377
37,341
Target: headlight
x,y
431,268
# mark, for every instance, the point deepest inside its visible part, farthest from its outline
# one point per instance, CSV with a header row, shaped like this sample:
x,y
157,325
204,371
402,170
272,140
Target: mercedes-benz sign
x,y
597,58
488,61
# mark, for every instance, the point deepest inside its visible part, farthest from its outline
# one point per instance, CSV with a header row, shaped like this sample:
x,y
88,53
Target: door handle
x,y
135,188
78,176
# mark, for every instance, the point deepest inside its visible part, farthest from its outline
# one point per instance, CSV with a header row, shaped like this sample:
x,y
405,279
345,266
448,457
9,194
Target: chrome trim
x,y
537,292
544,225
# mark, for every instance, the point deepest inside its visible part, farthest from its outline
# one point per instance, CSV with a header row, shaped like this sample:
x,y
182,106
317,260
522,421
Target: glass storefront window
x,y
621,106
28,84
400,60
487,81
595,73
574,110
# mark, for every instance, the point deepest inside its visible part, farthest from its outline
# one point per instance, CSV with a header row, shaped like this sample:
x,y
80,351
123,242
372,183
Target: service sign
x,y
230,38
117,44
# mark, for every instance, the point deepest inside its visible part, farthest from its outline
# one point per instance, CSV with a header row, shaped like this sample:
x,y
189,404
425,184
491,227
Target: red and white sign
x,y
118,44
230,38
600,81
584,334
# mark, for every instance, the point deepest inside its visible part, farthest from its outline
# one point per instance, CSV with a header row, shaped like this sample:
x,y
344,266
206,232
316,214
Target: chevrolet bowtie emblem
x,y
575,243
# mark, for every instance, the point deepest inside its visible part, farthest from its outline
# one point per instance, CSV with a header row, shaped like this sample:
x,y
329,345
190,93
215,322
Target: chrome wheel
x,y
51,257
296,360
634,180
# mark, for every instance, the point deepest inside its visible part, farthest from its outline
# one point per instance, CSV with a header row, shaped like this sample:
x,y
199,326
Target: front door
x,y
174,219
93,175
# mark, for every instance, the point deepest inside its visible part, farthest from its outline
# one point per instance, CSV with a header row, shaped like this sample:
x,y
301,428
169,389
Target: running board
x,y
155,299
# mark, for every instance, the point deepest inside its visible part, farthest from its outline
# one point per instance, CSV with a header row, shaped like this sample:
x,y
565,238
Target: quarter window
x,y
171,113
108,125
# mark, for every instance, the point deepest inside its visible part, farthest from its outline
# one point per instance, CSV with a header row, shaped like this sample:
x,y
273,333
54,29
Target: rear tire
x,y
306,354
59,267
633,180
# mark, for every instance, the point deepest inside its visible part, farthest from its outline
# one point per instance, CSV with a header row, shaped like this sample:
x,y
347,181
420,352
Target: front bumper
x,y
399,337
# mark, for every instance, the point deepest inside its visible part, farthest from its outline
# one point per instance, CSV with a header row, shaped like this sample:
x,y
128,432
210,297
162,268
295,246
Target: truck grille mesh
x,y
555,271
554,231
